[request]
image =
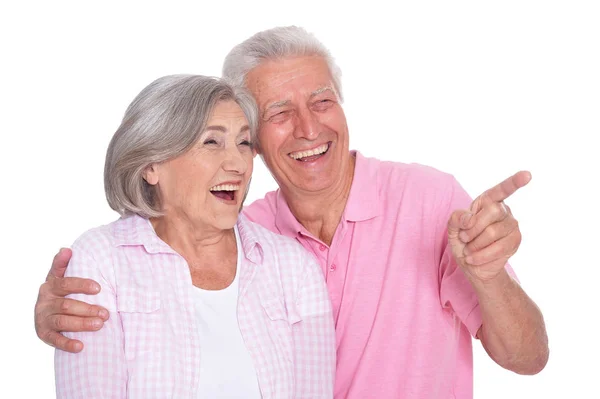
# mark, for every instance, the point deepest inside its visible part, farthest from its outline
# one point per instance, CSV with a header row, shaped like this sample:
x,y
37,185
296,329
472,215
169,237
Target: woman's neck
x,y
211,253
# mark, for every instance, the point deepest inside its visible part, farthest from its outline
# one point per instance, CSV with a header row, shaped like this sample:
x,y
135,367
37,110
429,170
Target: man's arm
x,y
482,240
54,313
512,331
100,370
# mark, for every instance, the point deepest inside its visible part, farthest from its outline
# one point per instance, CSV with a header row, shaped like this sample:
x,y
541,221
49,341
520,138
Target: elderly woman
x,y
203,303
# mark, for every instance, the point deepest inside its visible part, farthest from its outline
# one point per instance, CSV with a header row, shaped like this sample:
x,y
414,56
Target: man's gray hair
x,y
161,123
277,43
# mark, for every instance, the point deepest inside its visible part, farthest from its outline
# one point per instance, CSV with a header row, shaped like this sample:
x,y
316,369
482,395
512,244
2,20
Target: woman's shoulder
x,y
103,238
284,263
254,233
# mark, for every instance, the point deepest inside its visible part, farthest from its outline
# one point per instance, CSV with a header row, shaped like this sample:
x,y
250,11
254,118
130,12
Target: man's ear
x,y
151,174
256,148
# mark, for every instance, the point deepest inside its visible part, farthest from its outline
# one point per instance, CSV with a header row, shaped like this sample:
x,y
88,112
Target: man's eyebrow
x,y
322,90
282,103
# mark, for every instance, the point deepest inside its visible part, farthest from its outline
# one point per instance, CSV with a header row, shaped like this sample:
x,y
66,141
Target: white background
x,y
477,89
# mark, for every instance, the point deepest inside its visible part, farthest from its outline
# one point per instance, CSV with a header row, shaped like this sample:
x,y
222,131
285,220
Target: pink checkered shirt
x,y
149,348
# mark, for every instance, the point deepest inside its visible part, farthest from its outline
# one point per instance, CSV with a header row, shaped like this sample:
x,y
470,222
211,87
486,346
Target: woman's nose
x,y
234,162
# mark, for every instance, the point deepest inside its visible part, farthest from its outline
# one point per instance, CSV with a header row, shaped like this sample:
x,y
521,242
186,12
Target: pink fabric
x,y
404,312
149,348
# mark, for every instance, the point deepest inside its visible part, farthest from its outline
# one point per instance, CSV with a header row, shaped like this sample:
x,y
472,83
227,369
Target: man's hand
x,y
486,235
55,313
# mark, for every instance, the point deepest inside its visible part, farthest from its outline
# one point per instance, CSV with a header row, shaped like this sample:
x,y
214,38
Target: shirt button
x,y
322,247
332,268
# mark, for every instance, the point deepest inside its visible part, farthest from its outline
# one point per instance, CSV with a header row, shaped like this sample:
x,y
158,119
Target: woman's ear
x,y
151,174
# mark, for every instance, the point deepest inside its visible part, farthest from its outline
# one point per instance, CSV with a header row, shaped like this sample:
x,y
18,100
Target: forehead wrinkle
x,y
218,128
223,129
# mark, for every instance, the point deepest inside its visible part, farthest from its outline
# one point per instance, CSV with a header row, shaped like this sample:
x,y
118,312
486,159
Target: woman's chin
x,y
226,222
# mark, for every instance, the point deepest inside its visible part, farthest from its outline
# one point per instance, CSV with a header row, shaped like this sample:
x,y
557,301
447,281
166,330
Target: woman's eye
x,y
247,143
210,141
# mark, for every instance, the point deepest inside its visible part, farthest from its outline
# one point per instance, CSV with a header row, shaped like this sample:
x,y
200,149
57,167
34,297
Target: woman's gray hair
x,y
163,122
275,44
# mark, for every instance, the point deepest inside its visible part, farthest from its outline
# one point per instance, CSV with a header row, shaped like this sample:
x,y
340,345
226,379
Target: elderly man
x,y
415,268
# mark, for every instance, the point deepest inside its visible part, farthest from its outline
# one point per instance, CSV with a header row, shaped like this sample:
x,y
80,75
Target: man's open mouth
x,y
310,155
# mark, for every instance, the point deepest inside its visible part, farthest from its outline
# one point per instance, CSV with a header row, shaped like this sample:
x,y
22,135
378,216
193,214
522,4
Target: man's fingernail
x,y
103,313
77,346
464,237
95,288
465,218
96,323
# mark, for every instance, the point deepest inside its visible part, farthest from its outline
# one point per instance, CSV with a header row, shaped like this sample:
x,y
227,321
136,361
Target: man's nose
x,y
307,126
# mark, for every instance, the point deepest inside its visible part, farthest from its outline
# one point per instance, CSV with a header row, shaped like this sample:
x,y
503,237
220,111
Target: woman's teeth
x,y
225,191
225,187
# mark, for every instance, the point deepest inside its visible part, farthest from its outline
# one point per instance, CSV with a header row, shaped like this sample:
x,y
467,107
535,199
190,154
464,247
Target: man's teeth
x,y
303,154
225,187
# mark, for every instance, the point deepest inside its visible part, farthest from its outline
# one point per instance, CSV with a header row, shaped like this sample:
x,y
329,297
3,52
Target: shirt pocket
x,y
273,307
139,301
276,327
142,320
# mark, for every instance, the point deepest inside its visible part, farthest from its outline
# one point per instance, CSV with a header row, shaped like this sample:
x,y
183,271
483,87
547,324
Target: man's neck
x,y
320,213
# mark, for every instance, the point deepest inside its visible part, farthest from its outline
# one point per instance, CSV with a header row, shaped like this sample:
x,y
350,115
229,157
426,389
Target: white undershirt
x,y
226,369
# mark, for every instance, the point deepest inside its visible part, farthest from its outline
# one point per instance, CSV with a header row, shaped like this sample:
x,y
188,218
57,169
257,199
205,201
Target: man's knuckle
x,y
64,306
496,210
519,237
45,289
491,234
59,323
515,225
47,336
63,283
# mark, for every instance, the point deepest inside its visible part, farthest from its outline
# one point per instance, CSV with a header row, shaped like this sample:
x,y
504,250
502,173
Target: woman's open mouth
x,y
225,192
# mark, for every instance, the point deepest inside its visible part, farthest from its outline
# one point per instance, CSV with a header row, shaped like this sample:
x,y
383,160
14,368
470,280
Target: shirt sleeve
x,y
99,370
456,292
314,335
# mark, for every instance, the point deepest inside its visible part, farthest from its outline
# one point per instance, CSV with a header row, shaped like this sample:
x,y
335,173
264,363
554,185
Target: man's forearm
x,y
513,331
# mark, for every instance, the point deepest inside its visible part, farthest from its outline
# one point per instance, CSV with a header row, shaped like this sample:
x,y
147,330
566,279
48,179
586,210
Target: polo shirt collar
x,y
363,202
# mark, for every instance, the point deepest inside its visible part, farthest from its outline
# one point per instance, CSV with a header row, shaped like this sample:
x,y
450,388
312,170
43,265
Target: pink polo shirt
x,y
404,312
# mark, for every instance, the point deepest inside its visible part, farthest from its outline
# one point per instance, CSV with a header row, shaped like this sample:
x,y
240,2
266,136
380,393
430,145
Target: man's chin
x,y
316,184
